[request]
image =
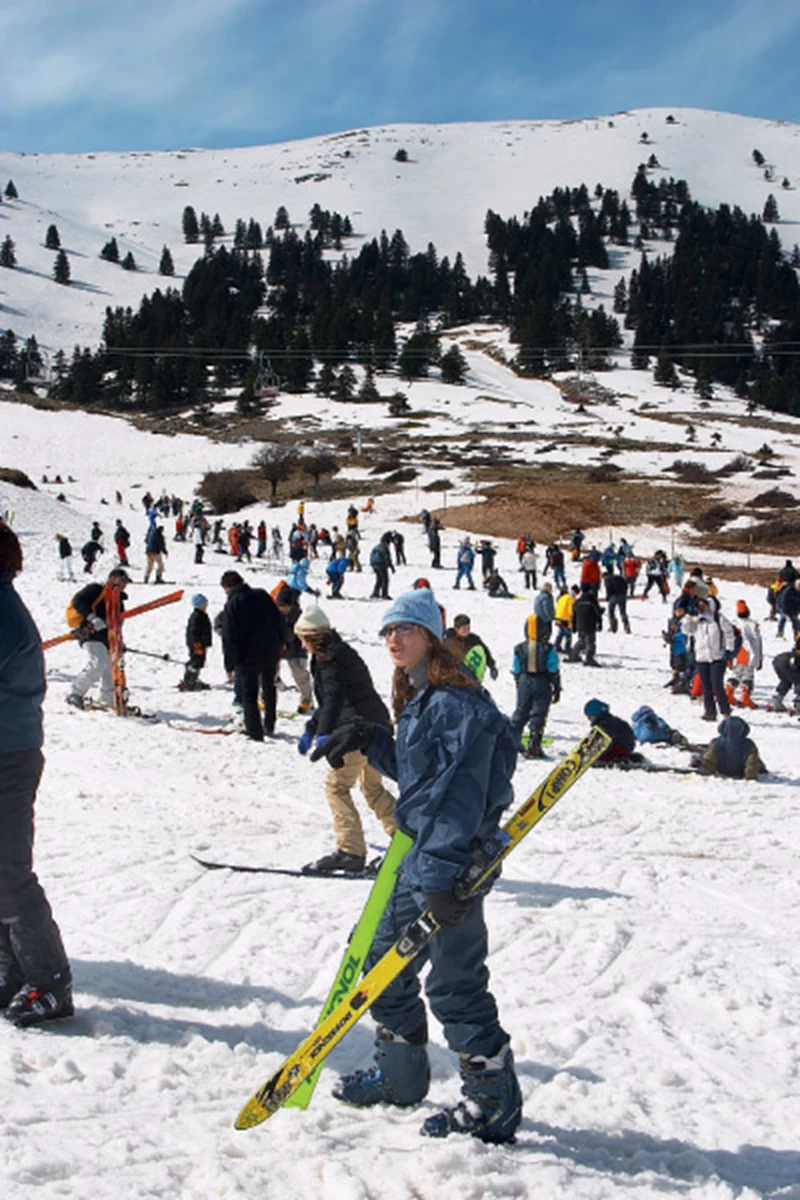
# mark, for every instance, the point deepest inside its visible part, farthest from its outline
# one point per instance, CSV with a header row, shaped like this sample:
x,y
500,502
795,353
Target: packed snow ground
x,y
643,939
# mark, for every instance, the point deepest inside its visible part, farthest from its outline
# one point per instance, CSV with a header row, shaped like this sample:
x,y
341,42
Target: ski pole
x,y
148,654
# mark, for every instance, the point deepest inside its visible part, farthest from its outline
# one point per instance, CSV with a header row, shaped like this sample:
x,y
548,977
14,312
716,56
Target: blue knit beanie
x,y
417,606
594,708
199,600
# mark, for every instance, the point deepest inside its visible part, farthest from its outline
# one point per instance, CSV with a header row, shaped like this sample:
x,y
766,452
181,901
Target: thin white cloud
x,y
702,58
95,53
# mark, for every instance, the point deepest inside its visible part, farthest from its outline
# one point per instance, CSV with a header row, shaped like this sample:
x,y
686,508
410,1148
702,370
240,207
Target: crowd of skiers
x,y
710,656
446,745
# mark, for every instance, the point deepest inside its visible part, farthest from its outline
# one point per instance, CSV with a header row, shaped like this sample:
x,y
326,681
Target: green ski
x,y
290,1076
352,964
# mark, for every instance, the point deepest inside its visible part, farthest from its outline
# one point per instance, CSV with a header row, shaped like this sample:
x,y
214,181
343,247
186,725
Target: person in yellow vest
x,y
564,606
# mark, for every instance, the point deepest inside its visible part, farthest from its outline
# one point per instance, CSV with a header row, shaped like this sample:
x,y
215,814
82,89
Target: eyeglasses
x,y
402,628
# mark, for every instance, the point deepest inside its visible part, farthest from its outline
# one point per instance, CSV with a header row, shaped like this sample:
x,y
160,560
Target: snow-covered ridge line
x,y
454,173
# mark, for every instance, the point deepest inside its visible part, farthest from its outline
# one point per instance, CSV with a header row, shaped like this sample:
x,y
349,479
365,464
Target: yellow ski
x,y
316,1047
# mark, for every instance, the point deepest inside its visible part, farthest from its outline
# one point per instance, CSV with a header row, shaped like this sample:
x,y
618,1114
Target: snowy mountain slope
x,y
454,174
643,940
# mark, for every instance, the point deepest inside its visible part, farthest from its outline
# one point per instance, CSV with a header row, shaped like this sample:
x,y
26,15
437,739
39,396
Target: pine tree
x,y
758,158
453,366
703,386
32,359
300,364
401,156
621,296
345,384
282,218
166,266
398,404
326,380
52,241
9,355
191,230
110,251
770,214
217,228
368,392
665,372
61,271
129,262
8,257
11,191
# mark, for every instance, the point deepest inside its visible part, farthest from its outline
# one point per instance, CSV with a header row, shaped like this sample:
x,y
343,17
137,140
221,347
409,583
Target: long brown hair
x,y
444,670
319,642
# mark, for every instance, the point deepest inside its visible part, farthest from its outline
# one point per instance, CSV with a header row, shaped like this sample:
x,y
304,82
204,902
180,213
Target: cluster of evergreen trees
x,y
717,306
20,363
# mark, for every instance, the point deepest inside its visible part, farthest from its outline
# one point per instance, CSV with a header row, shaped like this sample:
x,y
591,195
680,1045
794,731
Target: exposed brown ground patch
x,y
551,507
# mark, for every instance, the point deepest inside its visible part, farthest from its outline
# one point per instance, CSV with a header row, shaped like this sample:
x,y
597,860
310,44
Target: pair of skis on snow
x,y
292,1085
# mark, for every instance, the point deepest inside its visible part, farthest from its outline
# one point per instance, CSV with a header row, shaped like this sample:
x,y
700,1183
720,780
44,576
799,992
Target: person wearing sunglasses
x,y
453,756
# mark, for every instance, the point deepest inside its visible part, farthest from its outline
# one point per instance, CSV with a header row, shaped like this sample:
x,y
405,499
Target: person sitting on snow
x,y
622,750
732,754
496,586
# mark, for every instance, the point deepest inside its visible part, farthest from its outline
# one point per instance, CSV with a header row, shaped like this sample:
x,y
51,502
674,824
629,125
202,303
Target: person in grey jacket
x,y
544,607
35,976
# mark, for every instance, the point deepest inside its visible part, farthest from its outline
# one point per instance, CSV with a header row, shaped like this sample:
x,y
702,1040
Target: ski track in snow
x,y
644,938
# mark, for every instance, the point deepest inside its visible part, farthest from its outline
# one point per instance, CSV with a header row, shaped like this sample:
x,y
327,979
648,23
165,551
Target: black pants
x,y
193,668
381,588
585,645
31,950
250,683
533,703
712,678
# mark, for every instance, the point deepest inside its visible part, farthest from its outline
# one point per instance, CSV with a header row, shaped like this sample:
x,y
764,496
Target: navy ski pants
x,y
457,983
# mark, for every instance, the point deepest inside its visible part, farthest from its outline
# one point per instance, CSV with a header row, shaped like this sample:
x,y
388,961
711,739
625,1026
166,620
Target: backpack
x,y
75,619
649,727
377,557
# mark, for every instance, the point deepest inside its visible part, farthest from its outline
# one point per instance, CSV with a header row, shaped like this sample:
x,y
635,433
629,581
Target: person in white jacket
x,y
714,644
748,660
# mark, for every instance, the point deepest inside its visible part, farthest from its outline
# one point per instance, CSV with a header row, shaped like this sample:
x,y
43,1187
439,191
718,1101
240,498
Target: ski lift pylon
x,y
266,385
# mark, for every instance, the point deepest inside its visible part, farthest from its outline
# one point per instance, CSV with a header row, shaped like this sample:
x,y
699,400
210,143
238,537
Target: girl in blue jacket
x,y
453,756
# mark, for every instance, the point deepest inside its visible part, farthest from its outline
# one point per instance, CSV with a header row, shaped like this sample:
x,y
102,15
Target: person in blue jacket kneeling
x,y
452,756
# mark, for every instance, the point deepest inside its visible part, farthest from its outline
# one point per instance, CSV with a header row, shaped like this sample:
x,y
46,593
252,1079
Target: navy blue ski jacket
x,y
22,681
453,757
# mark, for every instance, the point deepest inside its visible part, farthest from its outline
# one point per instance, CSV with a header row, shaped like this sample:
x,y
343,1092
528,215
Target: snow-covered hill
x,y
453,175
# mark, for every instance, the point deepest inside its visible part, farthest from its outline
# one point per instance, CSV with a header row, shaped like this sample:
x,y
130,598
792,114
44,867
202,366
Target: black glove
x,y
493,672
356,735
447,909
556,695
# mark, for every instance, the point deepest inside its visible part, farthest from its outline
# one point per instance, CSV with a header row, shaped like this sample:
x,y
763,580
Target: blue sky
x,y
79,75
